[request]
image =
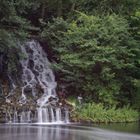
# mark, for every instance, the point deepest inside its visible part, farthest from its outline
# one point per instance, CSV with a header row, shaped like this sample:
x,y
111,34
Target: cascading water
x,y
39,80
58,114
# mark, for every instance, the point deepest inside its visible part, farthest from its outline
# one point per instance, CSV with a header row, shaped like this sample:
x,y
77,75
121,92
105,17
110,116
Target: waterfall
x,y
15,120
28,116
39,116
66,116
23,117
58,115
12,88
52,115
38,84
45,113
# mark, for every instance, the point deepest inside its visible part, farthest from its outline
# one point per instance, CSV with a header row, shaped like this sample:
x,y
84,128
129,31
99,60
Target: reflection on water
x,y
71,132
122,127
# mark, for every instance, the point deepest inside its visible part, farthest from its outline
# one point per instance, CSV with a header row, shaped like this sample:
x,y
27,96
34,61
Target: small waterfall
x,y
66,116
28,116
39,117
23,117
12,87
15,117
58,115
52,115
38,81
45,113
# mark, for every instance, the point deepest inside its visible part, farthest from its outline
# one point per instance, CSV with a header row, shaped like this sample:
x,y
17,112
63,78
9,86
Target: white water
x,y
13,87
58,114
66,116
15,117
39,80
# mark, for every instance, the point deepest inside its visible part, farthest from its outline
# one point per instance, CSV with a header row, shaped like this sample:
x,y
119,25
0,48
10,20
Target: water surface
x,y
60,132
122,127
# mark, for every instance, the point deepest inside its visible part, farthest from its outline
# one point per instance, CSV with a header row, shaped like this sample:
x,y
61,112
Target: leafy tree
x,y
95,56
96,53
122,7
13,29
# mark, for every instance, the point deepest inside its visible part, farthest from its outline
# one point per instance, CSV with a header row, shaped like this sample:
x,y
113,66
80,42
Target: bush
x,y
98,113
95,56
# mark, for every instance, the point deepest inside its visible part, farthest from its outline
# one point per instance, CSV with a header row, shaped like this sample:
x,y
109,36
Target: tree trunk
x,y
1,63
60,8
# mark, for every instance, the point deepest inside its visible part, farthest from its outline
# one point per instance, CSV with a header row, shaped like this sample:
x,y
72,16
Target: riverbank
x,y
97,113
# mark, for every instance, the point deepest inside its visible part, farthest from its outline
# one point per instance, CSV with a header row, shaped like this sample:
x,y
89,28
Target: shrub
x,y
98,113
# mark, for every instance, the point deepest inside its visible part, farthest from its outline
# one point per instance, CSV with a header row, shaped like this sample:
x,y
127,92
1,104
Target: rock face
x,y
33,97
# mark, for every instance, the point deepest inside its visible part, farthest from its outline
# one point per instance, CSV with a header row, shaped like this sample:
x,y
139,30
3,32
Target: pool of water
x,y
60,132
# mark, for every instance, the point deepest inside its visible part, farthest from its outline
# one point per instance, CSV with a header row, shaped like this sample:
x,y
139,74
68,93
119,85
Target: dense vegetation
x,y
95,46
98,113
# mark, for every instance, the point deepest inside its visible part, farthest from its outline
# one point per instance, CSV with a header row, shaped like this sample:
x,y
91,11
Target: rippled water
x,y
60,132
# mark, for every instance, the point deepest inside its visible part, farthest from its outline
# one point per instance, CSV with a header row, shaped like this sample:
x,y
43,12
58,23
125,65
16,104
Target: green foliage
x,y
123,7
13,29
96,56
98,113
136,100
